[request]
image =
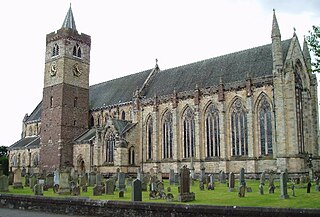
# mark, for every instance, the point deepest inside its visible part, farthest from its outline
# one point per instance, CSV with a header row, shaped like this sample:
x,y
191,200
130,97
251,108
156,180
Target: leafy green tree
x,y
313,40
4,162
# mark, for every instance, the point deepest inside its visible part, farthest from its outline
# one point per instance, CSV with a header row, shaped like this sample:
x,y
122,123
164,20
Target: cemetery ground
x,y
217,197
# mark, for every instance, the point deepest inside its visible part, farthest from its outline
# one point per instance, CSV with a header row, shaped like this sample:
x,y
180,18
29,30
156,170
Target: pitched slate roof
x,y
122,126
27,142
87,136
207,73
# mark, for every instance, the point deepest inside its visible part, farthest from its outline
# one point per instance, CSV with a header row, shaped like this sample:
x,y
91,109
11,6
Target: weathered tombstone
x,y
64,186
169,197
17,179
75,191
4,183
293,190
121,184
283,186
203,174
231,182
27,180
271,189
317,184
263,177
97,190
160,186
38,189
184,193
92,178
159,176
84,188
129,181
242,191
56,177
23,172
56,188
82,180
242,181
171,177
10,176
109,186
98,179
261,188
308,187
50,180
121,193
176,179
136,190
222,177
201,185
33,181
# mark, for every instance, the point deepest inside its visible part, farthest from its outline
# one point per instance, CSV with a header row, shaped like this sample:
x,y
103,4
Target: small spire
x,y
305,49
69,22
275,27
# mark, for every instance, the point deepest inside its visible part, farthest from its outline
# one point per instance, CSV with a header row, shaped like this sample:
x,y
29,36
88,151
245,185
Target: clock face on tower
x,y
53,69
77,69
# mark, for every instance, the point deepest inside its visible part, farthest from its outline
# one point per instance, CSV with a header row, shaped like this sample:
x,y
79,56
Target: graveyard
x,y
238,190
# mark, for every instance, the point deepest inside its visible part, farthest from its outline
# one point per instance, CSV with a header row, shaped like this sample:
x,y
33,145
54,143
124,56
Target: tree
x,y
313,40
4,162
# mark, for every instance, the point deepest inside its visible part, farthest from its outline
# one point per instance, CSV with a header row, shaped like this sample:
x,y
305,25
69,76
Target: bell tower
x,y
65,103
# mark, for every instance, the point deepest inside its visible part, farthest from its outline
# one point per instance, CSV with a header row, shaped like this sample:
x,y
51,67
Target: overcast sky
x,y
127,36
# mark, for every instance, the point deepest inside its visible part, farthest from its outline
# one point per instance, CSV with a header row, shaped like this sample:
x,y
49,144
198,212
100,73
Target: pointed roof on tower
x,y
69,22
275,27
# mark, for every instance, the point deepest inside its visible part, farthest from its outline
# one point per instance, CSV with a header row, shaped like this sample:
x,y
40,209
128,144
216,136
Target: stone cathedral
x,y
255,109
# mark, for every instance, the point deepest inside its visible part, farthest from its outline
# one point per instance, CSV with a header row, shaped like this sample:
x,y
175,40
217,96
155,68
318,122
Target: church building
x,y
255,109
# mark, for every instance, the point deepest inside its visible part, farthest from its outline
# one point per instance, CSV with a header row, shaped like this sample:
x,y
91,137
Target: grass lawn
x,y
220,196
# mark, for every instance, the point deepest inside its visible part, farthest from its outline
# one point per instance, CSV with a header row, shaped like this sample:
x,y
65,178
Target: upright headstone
x,y
10,176
27,180
263,177
75,191
50,180
17,182
4,183
184,192
110,186
97,190
98,179
317,184
242,180
261,189
33,181
82,180
283,186
64,186
308,187
203,174
56,177
171,177
242,191
23,172
38,189
121,184
92,178
222,177
176,179
136,190
231,182
129,181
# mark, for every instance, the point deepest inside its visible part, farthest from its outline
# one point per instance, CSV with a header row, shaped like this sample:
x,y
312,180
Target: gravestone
x,y
27,180
271,183
201,185
38,189
4,183
171,177
222,177
92,178
169,197
308,187
50,180
231,182
97,190
82,180
136,190
17,182
84,188
242,181
317,184
64,186
293,190
242,191
33,181
159,176
23,172
203,174
10,176
56,177
75,191
129,181
121,193
283,186
98,179
176,179
261,189
263,177
184,192
109,186
121,184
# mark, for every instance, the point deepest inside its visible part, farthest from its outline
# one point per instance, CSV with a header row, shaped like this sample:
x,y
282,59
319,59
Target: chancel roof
x,y
27,142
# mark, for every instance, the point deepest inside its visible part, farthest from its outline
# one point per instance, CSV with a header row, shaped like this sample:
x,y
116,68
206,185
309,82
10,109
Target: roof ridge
x,y
221,56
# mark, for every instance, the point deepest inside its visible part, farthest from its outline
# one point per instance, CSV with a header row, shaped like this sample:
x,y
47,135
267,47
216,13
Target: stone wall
x,y
87,207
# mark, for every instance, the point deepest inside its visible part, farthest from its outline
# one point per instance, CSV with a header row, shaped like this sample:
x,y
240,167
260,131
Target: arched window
x,y
35,160
91,121
123,115
239,130
212,132
131,156
189,148
265,126
23,161
98,121
110,144
77,51
14,160
149,138
55,50
299,111
167,136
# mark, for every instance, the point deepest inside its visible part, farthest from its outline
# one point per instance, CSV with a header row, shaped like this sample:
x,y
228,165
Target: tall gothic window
x,y
131,156
110,144
239,130
299,111
77,51
265,126
123,115
188,134
212,132
167,136
55,50
149,138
